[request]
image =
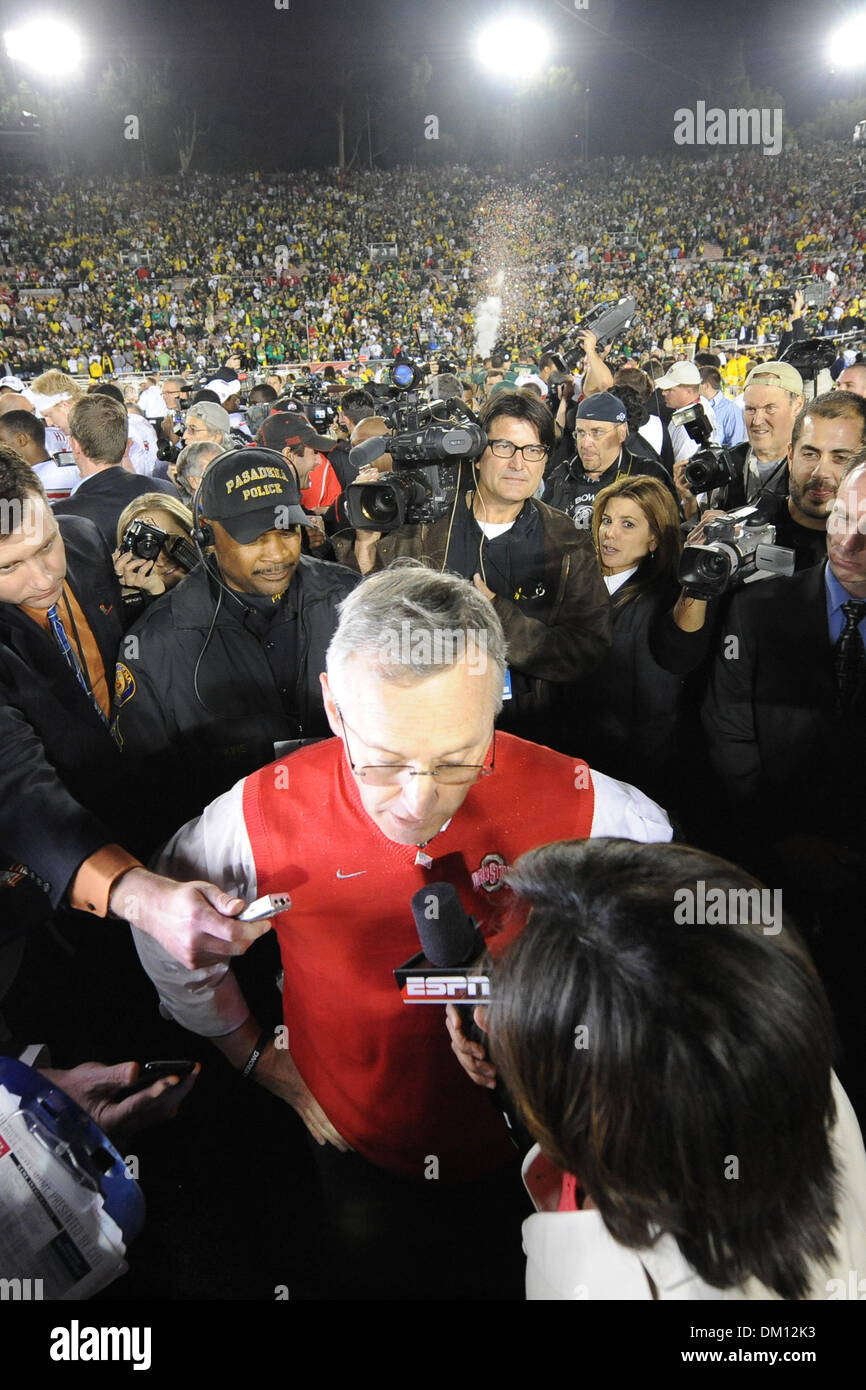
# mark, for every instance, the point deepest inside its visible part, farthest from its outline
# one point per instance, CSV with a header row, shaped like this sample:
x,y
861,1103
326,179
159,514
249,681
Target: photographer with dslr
x,y
756,472
222,672
149,558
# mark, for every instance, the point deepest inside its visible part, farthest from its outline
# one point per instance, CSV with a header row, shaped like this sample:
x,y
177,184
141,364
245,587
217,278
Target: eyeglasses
x,y
504,449
390,774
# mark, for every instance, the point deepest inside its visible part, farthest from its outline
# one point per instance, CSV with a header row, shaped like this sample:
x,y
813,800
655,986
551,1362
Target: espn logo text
x,y
438,989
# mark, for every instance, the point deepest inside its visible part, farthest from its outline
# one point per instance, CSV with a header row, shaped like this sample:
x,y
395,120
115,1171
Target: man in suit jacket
x,y
98,432
62,807
785,718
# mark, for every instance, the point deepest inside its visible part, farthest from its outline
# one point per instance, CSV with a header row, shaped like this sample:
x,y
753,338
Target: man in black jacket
x,y
65,820
786,723
600,431
98,431
221,675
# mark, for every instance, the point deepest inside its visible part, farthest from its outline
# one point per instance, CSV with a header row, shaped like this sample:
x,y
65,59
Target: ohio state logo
x,y
490,873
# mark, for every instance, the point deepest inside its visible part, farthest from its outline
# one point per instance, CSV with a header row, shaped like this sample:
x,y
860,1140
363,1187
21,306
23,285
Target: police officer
x,y
221,675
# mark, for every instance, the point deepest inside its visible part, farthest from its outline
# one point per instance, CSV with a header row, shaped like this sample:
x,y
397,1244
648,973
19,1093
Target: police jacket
x,y
206,688
60,774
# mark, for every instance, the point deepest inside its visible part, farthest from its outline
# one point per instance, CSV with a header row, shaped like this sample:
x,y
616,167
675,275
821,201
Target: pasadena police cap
x,y
249,492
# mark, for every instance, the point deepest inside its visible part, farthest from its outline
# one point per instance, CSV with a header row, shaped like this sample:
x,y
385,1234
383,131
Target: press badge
x,y
506,688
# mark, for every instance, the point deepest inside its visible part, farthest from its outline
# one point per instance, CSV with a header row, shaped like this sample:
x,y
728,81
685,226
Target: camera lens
x,y
380,504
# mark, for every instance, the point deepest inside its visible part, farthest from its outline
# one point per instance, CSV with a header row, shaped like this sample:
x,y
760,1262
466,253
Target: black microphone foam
x,y
449,937
368,451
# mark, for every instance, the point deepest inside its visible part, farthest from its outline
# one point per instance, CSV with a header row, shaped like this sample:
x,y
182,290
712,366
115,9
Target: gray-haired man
x,y
413,790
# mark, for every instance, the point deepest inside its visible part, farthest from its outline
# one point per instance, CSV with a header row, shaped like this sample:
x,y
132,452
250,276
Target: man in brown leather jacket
x,y
537,569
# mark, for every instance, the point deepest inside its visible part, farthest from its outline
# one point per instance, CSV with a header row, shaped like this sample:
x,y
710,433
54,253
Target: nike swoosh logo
x,y
354,875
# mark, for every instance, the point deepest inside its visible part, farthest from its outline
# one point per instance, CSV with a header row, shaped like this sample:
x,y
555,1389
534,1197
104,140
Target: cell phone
x,y
268,906
155,1071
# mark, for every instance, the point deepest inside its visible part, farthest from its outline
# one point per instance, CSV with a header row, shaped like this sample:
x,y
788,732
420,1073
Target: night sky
x,y
263,79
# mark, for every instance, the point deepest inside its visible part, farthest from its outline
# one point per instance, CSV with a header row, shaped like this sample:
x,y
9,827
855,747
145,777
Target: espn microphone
x,y
442,972
449,936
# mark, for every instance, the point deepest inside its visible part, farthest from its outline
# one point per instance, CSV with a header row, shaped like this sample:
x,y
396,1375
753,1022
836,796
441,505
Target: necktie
x,y
58,632
849,657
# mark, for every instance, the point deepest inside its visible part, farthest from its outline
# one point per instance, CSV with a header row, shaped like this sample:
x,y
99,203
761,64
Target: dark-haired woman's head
x,y
635,523
665,1037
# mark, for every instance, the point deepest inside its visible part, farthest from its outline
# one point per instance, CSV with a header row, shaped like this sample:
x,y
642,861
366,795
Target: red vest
x,y
382,1070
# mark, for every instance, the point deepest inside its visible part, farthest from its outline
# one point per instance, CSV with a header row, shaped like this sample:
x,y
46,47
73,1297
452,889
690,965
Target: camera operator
x,y
224,668
600,431
206,421
535,567
146,560
680,387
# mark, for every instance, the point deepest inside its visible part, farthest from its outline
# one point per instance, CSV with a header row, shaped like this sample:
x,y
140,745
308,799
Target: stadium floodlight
x,y
46,44
513,46
847,46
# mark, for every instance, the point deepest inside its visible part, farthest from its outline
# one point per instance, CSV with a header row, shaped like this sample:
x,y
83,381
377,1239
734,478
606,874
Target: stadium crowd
x,y
230,607
282,269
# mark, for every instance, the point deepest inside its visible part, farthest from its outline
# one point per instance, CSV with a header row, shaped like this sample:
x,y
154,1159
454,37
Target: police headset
x,y
203,537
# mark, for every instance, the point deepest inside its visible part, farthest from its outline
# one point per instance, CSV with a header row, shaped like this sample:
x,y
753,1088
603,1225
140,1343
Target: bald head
x,y
852,379
11,400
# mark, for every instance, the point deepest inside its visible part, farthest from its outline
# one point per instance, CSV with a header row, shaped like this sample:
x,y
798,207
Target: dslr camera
x,y
146,542
708,468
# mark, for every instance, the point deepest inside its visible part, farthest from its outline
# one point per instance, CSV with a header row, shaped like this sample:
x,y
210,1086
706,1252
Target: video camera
x,y
739,544
312,398
606,321
426,443
146,541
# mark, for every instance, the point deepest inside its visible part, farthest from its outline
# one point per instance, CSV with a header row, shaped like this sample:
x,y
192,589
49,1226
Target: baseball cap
x,y
251,491
604,405
788,377
222,388
285,429
531,378
680,374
